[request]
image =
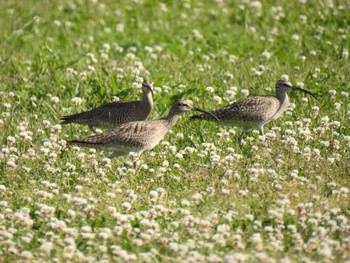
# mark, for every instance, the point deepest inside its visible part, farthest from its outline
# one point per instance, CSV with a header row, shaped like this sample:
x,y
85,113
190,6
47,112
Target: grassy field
x,y
198,196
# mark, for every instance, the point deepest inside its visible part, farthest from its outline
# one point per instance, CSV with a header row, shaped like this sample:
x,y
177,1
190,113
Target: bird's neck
x,y
284,102
147,99
172,118
282,96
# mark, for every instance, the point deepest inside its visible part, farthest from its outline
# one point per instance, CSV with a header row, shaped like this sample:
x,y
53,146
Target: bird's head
x,y
285,85
181,106
147,87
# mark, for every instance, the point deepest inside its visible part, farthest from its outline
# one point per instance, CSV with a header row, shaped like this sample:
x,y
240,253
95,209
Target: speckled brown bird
x,y
116,113
137,136
254,112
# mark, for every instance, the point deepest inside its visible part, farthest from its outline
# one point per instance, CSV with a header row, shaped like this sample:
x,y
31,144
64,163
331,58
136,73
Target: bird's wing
x,y
118,104
258,108
133,134
119,112
101,112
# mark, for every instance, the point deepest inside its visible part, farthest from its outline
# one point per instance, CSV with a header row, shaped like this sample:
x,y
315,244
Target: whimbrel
x,y
137,136
116,113
254,112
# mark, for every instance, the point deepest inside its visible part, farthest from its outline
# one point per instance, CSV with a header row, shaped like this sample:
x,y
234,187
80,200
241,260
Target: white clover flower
x,y
7,105
180,136
173,247
127,206
206,57
337,106
91,68
344,190
313,52
332,92
179,155
231,58
26,255
257,241
230,94
11,139
209,89
217,100
197,34
256,5
245,92
324,250
57,23
83,75
197,197
285,77
229,75
185,203
55,100
315,110
111,195
46,247
304,99
236,258
71,72
104,56
120,27
154,194
249,217
344,94
335,124
266,54
295,37
325,119
11,163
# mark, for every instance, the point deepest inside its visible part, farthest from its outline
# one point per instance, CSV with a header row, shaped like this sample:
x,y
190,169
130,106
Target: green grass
x,y
266,201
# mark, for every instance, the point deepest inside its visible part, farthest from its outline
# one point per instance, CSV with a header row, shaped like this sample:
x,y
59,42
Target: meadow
x,y
198,196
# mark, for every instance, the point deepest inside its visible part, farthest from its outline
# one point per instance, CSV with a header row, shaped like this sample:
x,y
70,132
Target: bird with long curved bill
x,y
116,113
138,136
254,112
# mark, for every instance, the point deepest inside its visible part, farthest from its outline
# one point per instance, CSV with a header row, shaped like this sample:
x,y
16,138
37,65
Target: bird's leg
x,y
114,154
91,128
240,137
261,131
134,157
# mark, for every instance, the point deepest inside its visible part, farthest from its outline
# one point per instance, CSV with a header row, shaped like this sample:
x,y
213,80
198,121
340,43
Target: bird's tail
x,y
68,119
89,141
205,117
75,118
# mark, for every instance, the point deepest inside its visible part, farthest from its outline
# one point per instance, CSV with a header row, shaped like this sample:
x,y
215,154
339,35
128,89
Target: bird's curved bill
x,y
305,91
148,84
206,112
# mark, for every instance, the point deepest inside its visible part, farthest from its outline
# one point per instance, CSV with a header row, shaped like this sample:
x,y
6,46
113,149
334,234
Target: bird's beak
x,y
148,86
305,91
206,112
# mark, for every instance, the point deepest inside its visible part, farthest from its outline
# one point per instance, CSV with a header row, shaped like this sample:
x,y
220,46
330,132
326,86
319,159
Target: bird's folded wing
x,y
132,134
257,108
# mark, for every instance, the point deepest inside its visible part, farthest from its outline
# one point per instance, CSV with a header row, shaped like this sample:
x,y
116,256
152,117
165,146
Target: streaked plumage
x,y
137,136
254,112
116,113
